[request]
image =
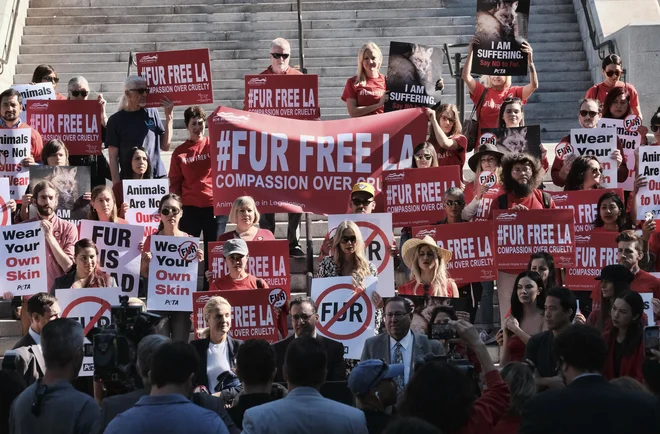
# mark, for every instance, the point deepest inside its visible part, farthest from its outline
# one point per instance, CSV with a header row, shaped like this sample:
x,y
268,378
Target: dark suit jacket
x,y
591,405
378,347
25,341
333,349
30,363
202,346
114,405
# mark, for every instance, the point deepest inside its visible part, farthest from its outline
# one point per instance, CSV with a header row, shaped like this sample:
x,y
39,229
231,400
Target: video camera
x,y
114,347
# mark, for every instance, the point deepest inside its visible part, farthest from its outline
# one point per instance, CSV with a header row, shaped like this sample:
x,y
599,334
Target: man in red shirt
x,y
630,251
10,110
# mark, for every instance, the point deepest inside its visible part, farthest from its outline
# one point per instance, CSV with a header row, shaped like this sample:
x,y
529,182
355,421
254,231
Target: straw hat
x,y
483,150
410,247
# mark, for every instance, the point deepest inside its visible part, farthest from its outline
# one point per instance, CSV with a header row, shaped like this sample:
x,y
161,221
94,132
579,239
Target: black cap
x,y
616,273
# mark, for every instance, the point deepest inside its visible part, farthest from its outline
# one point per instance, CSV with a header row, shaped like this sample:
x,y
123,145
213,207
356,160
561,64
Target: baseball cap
x,y
616,273
364,186
235,246
367,374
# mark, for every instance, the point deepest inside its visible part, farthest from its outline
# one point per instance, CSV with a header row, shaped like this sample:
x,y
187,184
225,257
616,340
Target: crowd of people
x,y
589,361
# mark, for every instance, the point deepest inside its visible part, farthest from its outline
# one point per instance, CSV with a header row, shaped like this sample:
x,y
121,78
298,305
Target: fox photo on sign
x,y
412,72
514,140
500,31
71,184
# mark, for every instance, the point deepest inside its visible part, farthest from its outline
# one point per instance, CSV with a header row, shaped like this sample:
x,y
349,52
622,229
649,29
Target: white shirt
x,y
406,352
35,335
217,362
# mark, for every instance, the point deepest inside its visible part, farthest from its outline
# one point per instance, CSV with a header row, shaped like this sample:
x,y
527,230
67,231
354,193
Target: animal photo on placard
x,y
71,184
515,140
501,21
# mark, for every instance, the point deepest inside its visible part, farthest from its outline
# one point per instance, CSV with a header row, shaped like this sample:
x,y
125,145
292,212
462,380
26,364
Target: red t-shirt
x,y
290,71
486,203
261,235
365,94
489,111
533,201
455,157
408,288
226,283
599,92
190,173
642,283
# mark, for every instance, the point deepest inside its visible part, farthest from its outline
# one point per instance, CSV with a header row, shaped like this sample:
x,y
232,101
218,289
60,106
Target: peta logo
x,y
257,81
149,58
508,216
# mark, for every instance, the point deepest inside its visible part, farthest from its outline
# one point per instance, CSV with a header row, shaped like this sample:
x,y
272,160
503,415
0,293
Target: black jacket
x,y
202,346
334,351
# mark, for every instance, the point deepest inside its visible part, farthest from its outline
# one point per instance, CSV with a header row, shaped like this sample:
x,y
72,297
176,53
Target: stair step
x,y
10,327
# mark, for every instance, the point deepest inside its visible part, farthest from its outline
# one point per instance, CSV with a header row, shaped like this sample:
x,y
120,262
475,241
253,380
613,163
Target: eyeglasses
x,y
426,157
167,211
655,128
445,118
77,93
302,316
396,315
525,169
51,79
280,55
362,202
585,113
616,72
141,90
352,239
454,202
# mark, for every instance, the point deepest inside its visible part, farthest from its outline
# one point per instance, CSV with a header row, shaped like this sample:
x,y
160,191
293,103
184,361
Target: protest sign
x,y
471,245
584,204
143,198
5,211
71,184
501,28
593,252
514,140
253,313
377,244
15,146
648,198
521,233
289,165
183,76
599,143
23,263
268,260
29,92
412,71
286,96
91,307
415,197
629,139
172,273
77,123
346,314
648,307
118,251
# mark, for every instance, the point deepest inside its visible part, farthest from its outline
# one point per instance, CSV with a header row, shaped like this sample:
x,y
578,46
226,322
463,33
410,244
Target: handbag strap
x,y
481,101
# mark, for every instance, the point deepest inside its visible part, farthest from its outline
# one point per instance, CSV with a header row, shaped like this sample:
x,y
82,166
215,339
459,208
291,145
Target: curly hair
x,y
575,177
511,160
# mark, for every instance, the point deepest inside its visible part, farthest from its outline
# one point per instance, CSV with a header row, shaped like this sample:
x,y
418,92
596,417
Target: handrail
x,y
132,61
301,39
9,40
609,44
455,72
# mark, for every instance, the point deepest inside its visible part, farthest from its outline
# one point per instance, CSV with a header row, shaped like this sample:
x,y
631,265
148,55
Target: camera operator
x,y
442,395
442,331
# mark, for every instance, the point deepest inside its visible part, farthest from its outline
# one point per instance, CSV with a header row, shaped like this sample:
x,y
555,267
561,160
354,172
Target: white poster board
x,y
15,146
23,259
34,91
600,143
143,198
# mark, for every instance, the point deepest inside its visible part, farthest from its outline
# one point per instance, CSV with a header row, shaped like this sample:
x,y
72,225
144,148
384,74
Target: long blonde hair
x,y
360,76
440,282
361,269
498,173
210,307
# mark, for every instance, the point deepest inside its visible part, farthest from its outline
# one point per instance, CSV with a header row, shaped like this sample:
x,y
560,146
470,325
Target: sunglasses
x,y
280,55
616,72
585,113
596,170
51,79
454,202
426,157
655,128
352,239
77,93
166,211
445,118
362,202
141,90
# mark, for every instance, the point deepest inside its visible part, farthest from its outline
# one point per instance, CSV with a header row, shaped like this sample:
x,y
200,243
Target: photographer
x,y
440,394
442,331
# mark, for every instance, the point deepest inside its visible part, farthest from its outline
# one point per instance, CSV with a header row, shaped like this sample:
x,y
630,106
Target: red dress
x,y
408,288
515,349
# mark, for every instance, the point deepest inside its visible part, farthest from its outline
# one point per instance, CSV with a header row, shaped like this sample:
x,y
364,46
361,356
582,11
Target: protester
x,y
560,308
479,198
520,379
364,94
442,395
589,115
104,206
589,403
245,216
140,168
526,319
236,254
372,384
612,73
280,55
585,174
217,351
168,408
305,368
55,153
190,178
133,125
304,316
52,404
611,215
495,89
446,136
86,271
256,367
512,115
625,340
614,280
543,263
47,74
399,344
428,264
454,348
11,106
618,105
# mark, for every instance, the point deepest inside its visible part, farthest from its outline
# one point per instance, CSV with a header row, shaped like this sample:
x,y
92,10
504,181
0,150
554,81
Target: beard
x,y
45,211
521,190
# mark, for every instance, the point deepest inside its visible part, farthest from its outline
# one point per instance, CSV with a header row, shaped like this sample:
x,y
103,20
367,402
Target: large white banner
x,y
172,273
346,314
15,146
599,143
648,198
376,230
119,255
91,307
5,212
34,91
143,198
23,259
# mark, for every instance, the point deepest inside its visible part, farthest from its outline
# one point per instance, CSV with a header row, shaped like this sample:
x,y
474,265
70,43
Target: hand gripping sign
x,y
92,308
648,198
143,198
253,312
376,230
599,143
23,259
287,96
584,205
5,211
518,234
346,314
593,252
172,273
15,145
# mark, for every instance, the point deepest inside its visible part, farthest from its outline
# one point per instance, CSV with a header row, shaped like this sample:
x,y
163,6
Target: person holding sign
x,y
487,184
85,271
236,254
104,206
625,340
46,74
584,174
140,169
11,105
428,264
364,94
614,280
245,216
612,73
618,105
446,136
512,115
280,56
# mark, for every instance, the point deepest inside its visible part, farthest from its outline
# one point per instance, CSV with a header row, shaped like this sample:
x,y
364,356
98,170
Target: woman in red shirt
x,y
618,105
428,265
246,217
104,207
364,93
496,88
614,280
626,338
479,194
584,174
140,169
612,72
512,115
446,136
